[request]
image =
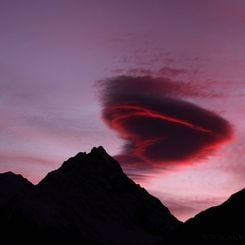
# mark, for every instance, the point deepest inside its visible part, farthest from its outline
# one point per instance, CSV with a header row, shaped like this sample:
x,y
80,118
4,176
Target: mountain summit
x,y
88,200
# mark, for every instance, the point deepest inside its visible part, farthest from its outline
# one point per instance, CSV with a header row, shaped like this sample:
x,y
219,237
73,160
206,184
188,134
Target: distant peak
x,y
10,174
12,177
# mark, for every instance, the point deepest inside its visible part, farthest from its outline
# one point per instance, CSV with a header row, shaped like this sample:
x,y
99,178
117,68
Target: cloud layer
x,y
158,126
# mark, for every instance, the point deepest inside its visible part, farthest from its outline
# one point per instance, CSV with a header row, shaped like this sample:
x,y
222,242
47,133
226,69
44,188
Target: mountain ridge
x,y
90,200
87,200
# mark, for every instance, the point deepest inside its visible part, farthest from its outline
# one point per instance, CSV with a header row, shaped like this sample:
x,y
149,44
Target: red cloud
x,y
172,72
157,125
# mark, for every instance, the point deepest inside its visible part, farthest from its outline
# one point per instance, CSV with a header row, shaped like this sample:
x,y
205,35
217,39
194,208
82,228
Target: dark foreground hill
x,y
220,225
88,200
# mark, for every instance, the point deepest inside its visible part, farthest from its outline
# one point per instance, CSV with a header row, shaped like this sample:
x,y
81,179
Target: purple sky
x,y
52,52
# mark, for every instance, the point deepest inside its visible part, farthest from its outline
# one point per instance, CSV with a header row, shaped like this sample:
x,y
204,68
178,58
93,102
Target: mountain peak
x,y
12,177
97,164
98,150
10,174
12,184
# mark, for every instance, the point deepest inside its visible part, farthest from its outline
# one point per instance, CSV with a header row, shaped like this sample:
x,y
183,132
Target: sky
x,y
159,84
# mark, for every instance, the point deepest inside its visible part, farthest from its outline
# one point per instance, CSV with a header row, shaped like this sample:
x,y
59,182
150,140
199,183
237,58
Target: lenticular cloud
x,y
158,126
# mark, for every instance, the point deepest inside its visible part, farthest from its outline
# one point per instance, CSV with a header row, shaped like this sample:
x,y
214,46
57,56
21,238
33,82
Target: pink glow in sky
x,y
52,52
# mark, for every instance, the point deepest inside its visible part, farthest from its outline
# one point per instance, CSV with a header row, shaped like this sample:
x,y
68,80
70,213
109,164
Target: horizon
x,y
96,147
160,85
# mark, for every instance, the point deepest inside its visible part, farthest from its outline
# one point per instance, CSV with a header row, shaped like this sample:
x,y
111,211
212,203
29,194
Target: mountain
x,y
88,200
219,225
12,184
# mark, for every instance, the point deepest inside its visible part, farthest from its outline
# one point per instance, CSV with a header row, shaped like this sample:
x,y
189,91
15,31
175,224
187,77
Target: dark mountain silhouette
x,y
223,224
88,200
12,184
